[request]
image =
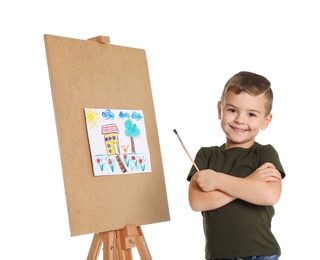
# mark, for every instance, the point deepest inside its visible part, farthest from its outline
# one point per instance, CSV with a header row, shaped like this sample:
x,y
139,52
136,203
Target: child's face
x,y
242,116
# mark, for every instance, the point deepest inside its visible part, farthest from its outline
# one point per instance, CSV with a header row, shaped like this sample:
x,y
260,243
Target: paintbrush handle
x,y
176,132
190,157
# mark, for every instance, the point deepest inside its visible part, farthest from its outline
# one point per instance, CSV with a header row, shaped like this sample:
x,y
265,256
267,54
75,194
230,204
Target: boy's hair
x,y
252,84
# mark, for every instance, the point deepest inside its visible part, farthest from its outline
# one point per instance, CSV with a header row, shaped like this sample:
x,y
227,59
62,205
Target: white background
x,y
192,47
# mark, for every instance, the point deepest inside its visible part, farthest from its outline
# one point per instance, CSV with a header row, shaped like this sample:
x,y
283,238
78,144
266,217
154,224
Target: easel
x,y
117,244
74,78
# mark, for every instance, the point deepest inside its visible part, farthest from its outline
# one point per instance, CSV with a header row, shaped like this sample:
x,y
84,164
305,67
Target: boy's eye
x,y
252,114
232,110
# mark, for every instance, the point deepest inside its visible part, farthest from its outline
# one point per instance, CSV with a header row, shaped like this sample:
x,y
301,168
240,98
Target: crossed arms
x,y
209,190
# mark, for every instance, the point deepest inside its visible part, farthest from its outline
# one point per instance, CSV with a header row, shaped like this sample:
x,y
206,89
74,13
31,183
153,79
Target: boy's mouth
x,y
236,129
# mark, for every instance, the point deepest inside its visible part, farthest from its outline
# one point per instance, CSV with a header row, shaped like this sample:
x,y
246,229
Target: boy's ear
x,y
267,121
219,109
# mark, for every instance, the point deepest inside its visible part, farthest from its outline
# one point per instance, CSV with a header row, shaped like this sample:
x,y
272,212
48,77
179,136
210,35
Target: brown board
x,y
90,74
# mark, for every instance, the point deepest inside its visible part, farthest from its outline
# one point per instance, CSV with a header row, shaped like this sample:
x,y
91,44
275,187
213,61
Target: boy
x,y
240,181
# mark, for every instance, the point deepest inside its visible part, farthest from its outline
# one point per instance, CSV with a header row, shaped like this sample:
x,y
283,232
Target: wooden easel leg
x,y
123,253
109,250
107,239
95,247
142,246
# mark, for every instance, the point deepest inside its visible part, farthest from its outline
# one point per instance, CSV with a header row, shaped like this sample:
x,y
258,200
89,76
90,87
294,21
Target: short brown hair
x,y
252,84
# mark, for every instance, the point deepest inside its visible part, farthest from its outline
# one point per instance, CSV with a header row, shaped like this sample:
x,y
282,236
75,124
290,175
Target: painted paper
x,y
118,141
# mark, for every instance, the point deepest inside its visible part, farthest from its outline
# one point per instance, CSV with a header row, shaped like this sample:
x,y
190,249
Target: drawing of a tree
x,y
132,131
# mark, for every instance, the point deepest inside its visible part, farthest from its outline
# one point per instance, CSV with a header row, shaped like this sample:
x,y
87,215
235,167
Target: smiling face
x,y
242,116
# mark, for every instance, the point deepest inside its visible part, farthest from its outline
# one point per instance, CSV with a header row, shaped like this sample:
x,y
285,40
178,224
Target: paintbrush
x,y
175,131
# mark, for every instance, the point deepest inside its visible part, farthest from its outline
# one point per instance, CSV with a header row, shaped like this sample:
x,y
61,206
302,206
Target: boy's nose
x,y
239,118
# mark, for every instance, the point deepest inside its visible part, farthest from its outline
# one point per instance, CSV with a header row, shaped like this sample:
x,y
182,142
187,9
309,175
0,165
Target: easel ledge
x,y
117,244
101,39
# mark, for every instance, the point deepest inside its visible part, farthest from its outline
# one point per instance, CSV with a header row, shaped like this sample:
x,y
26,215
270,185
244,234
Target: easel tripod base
x,y
117,244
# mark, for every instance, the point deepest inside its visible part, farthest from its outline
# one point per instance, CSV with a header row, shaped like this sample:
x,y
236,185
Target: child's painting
x,y
118,141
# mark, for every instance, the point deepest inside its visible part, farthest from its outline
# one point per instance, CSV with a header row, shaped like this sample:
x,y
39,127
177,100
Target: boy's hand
x,y
205,179
266,172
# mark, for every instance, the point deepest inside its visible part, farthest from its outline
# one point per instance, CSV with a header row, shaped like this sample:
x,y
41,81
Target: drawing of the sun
x,y
92,118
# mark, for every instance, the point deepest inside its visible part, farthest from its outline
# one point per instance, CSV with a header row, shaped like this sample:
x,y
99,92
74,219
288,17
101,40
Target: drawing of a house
x,y
111,138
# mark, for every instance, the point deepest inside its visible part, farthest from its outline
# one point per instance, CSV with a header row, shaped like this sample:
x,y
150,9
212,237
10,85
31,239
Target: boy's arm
x,y
200,200
262,187
209,190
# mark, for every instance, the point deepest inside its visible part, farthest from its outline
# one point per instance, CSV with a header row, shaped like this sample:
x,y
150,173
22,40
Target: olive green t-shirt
x,y
239,228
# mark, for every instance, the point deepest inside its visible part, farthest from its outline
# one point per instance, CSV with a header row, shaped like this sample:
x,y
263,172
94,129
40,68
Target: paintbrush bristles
x,y
176,132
